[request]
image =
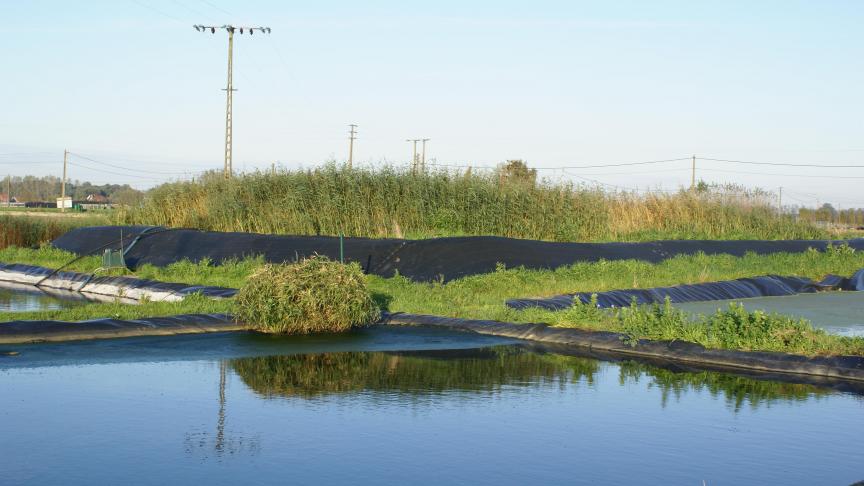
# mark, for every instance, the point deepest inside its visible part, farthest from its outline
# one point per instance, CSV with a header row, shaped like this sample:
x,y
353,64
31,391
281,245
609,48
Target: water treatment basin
x,y
392,405
22,298
837,312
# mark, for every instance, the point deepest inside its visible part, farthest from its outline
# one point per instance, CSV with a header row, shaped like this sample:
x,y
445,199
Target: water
x,y
396,406
836,312
20,298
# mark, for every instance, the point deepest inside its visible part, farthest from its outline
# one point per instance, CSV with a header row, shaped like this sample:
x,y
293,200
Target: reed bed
x,y
29,231
391,202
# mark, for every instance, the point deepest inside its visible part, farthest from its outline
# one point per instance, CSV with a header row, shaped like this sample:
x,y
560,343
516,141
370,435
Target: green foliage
x,y
313,295
391,202
732,328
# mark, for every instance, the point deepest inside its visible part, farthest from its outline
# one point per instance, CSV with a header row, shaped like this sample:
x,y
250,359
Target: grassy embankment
x,y
391,202
483,296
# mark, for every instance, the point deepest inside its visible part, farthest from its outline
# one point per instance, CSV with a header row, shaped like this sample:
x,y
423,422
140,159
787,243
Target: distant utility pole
x,y
352,137
423,163
693,175
9,190
780,199
229,89
63,183
414,158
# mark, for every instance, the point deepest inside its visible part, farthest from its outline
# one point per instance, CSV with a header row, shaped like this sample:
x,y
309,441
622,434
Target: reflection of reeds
x,y
311,375
388,202
735,389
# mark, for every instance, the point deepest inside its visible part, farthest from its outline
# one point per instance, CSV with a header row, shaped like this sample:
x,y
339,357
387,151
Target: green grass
x,y
483,296
392,202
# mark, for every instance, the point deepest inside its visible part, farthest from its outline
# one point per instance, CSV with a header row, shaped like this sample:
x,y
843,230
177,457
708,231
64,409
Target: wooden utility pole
x,y
423,163
63,183
9,190
229,89
780,199
352,136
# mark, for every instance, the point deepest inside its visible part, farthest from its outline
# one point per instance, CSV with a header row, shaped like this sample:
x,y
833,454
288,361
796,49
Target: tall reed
x,y
390,202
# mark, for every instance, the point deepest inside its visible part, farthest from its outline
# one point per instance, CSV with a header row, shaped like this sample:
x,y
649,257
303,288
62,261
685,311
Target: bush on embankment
x,y
313,295
390,202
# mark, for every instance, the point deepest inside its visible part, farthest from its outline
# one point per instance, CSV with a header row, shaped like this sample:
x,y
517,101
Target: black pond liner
x,y
420,260
21,332
742,288
112,286
602,344
846,368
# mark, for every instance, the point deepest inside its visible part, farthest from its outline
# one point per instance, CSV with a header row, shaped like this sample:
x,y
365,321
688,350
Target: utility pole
x,y
780,199
352,137
423,163
229,89
63,183
414,158
9,190
693,175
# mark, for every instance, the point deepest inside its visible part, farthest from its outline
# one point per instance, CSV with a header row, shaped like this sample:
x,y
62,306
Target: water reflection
x,y
204,442
29,298
421,372
488,370
736,390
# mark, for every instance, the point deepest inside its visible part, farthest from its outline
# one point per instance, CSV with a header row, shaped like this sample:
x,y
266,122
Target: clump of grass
x,y
313,295
731,328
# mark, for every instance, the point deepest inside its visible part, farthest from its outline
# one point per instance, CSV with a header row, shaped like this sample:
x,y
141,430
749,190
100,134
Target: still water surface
x,y
19,298
836,312
397,406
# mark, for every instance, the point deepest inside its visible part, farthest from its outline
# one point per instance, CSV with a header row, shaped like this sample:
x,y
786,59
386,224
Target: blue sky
x,y
130,82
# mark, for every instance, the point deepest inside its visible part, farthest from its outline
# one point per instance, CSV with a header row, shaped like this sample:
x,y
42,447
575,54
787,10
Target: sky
x,y
570,84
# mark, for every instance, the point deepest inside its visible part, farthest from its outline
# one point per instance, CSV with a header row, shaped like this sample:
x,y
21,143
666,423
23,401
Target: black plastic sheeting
x,y
850,368
742,288
420,260
76,281
19,332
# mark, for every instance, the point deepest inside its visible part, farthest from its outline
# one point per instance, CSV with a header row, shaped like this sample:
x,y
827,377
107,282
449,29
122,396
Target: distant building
x,y
96,199
4,199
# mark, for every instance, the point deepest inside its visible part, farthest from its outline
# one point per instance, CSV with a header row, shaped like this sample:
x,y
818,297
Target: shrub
x,y
313,295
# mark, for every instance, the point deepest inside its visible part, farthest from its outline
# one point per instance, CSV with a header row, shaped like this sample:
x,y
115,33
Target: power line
x,y
783,175
783,164
127,168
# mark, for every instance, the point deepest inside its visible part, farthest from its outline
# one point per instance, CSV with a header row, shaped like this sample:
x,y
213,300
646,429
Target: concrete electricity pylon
x,y
229,89
423,157
353,136
414,158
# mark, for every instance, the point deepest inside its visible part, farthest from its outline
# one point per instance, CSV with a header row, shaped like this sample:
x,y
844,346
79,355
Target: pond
x,y
401,405
836,312
21,298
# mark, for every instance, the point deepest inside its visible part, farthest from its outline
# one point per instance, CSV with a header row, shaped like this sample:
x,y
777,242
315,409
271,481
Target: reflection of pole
x,y
63,183
220,422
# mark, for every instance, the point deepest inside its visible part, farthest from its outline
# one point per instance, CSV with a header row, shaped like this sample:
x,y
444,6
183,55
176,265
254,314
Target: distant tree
x,y
516,172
